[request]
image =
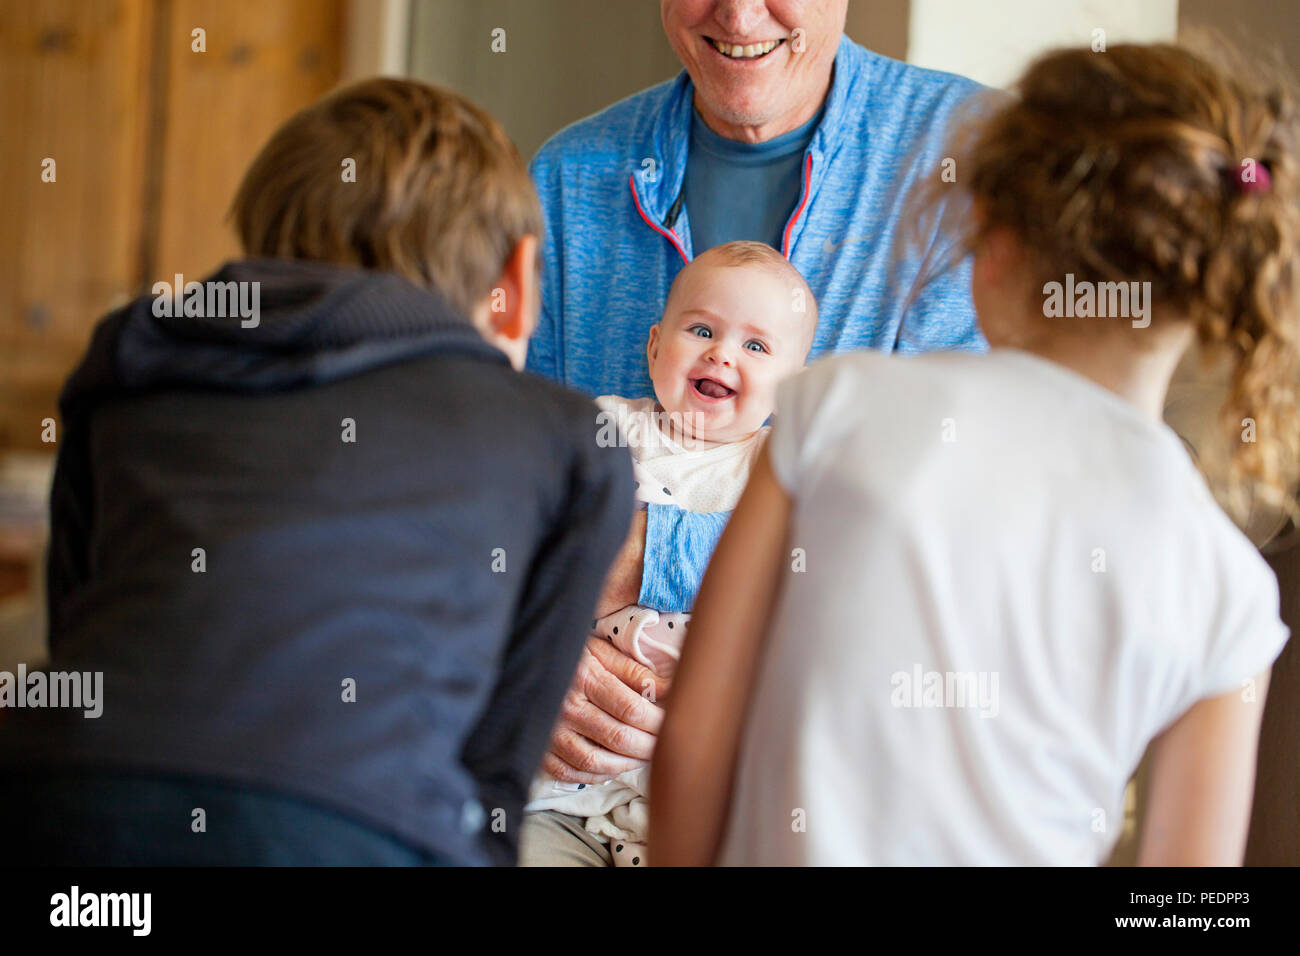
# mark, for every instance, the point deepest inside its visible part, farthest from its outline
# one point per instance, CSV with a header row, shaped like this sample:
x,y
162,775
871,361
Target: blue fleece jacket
x,y
617,232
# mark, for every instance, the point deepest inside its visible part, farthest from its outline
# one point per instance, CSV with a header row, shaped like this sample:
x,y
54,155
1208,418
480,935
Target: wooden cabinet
x,y
149,138
74,88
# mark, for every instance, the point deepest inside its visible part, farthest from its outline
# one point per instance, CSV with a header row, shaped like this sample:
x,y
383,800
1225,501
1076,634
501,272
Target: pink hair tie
x,y
1261,183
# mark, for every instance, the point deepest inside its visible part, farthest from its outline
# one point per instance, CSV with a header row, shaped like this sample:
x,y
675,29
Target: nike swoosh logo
x,y
829,247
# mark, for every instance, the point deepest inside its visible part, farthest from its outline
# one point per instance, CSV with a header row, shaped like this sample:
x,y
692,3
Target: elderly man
x,y
782,130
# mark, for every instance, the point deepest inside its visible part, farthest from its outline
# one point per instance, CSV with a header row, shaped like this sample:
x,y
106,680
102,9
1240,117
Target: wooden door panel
x,y
264,61
73,88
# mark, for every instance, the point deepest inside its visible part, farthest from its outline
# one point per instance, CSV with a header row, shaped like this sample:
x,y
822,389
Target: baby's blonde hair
x,y
744,252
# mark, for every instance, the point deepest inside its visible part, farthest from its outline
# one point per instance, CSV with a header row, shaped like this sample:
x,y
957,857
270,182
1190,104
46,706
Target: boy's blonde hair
x,y
394,175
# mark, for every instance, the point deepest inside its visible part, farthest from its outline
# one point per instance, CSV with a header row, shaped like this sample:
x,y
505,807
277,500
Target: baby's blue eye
x,y
707,333
761,346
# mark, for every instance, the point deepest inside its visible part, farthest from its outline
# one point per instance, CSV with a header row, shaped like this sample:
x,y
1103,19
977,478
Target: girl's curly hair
x,y
1156,163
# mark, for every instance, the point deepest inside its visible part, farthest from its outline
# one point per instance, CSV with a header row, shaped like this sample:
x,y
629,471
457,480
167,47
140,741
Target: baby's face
x,y
730,334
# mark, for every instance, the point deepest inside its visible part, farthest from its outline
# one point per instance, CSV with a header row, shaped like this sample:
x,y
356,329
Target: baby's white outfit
x,y
706,479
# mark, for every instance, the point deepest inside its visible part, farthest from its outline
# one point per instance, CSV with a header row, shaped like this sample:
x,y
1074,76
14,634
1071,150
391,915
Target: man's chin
x,y
753,108
741,114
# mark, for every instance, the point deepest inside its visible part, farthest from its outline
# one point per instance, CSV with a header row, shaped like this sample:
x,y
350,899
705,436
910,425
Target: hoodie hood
x,y
314,323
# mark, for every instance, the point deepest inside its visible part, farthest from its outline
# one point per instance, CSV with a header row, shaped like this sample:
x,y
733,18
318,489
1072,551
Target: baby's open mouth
x,y
711,389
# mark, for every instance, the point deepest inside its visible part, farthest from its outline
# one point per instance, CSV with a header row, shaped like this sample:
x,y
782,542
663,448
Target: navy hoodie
x,y
384,625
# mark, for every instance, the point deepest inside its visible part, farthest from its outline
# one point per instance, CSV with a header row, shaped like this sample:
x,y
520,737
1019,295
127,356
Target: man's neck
x,y
768,129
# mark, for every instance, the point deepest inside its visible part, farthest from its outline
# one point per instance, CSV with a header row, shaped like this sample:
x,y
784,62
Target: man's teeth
x,y
738,52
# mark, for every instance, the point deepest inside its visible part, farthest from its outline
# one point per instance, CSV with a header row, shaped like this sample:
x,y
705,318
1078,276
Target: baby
x,y
739,319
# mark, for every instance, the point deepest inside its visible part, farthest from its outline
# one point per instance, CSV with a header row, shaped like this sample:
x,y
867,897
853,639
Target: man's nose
x,y
739,17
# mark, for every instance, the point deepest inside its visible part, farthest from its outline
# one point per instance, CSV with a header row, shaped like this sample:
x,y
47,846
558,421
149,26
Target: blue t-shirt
x,y
743,190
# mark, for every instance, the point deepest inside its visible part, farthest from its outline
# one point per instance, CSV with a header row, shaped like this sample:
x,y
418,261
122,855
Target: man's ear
x,y
511,310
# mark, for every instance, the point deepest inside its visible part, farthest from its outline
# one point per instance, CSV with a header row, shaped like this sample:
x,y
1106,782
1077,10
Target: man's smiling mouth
x,y
750,51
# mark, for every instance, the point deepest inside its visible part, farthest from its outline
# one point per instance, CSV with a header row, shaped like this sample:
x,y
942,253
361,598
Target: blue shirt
x,y
743,190
617,232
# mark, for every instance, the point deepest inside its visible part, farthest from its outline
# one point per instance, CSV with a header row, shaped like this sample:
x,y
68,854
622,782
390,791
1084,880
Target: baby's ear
x,y
652,345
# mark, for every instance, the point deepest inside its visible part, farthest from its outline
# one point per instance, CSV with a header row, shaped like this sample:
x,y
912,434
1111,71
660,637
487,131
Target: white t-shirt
x,y
997,532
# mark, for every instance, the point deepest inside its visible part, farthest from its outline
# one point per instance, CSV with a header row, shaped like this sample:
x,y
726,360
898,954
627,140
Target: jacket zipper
x,y
803,201
670,236
785,236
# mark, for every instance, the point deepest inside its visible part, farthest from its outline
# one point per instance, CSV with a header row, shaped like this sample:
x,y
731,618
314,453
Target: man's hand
x,y
608,722
623,581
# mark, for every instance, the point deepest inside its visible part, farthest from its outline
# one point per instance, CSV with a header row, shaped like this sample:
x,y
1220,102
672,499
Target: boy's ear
x,y
511,311
652,345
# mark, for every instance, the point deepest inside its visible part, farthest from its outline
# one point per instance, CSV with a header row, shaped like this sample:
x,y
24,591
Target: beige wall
x,y
995,40
1273,25
880,25
564,59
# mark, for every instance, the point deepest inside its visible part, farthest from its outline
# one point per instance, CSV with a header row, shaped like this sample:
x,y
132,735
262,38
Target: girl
x,y
962,594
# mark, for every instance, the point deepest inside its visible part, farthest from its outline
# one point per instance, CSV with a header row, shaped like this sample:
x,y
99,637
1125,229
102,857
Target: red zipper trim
x,y
807,179
671,237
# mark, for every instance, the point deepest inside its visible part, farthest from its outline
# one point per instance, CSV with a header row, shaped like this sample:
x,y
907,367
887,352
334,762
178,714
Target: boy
x,y
335,562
